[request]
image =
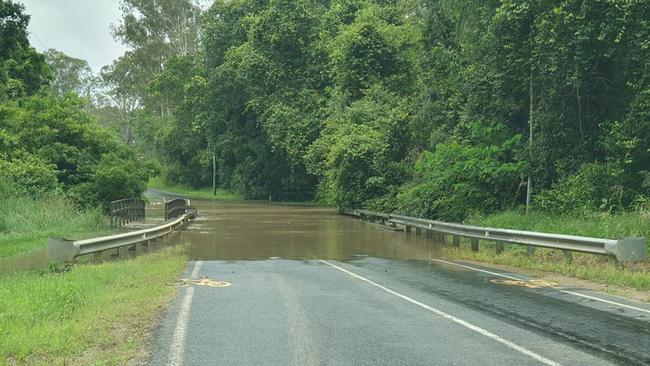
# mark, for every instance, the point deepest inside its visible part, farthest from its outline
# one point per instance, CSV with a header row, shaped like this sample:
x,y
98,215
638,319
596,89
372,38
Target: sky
x,y
78,28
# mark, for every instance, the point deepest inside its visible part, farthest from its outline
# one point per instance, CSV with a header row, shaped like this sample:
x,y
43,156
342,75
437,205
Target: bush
x,y
30,174
594,187
48,142
113,178
458,178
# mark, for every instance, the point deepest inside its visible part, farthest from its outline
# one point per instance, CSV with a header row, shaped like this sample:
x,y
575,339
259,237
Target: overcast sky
x,y
79,28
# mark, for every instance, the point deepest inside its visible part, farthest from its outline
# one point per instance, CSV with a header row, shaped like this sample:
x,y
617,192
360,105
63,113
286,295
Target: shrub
x,y
596,186
30,174
113,178
458,178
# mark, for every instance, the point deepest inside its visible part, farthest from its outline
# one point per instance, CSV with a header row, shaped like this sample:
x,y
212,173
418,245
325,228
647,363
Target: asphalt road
x,y
392,312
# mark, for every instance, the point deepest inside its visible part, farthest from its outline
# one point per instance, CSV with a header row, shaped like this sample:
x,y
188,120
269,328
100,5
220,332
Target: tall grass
x,y
585,266
27,221
587,223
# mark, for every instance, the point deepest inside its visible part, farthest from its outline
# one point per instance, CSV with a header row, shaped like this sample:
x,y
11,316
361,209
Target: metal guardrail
x,y
64,250
127,210
624,249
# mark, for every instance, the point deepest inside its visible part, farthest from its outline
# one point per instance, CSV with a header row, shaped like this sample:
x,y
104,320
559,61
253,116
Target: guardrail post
x,y
499,247
474,243
456,241
407,229
442,238
568,256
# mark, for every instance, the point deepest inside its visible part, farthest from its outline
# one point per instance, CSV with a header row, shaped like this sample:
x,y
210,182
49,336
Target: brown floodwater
x,y
248,231
254,230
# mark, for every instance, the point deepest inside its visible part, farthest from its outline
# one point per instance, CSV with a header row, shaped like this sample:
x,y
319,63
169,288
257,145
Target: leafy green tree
x,y
70,75
23,71
50,135
480,173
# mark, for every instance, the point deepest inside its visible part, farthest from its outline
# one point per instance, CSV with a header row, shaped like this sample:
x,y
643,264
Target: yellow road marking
x,y
525,283
204,282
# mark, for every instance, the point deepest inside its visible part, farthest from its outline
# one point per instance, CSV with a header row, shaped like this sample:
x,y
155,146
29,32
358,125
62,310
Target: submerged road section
x,y
305,298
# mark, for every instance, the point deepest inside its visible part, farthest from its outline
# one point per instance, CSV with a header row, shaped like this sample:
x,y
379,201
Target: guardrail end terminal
x,y
631,249
62,250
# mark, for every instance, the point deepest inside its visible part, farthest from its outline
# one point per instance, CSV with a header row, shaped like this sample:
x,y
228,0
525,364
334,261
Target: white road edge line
x,y
605,301
462,322
478,269
180,333
565,291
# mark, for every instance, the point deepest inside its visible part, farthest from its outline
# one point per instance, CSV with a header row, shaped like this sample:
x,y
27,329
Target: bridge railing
x,y
624,249
127,210
64,250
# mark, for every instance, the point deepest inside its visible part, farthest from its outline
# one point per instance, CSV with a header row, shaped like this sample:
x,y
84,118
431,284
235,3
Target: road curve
x,y
392,312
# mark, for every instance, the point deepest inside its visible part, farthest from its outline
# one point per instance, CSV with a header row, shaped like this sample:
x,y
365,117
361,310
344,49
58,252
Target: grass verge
x,y
593,224
26,222
597,269
202,193
93,314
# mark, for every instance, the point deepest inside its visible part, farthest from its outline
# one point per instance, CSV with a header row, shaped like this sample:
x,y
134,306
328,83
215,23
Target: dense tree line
x,y
49,140
429,107
433,108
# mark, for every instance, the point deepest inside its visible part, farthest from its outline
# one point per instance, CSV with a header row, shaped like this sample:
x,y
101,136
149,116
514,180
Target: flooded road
x,y
305,286
243,231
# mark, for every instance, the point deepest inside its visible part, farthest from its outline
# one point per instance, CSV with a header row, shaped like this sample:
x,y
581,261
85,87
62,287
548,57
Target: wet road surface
x,y
308,287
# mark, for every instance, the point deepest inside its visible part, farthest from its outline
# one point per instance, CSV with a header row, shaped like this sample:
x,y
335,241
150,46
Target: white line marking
x,y
178,341
605,301
479,270
565,291
197,268
180,333
462,322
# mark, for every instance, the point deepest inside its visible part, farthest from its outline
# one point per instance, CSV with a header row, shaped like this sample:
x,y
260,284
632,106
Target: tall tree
x,y
22,70
71,75
155,30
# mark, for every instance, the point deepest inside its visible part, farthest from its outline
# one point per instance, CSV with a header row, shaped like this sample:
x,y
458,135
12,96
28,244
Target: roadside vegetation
x,y
60,167
598,269
89,314
202,193
27,221
612,225
615,277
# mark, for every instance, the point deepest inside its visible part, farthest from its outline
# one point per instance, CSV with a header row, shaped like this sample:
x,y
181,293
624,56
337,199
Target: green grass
x,y
592,224
93,314
202,193
599,269
588,267
26,223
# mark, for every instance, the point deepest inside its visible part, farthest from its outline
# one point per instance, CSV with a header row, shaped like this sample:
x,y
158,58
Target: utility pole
x,y
214,172
530,250
529,185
